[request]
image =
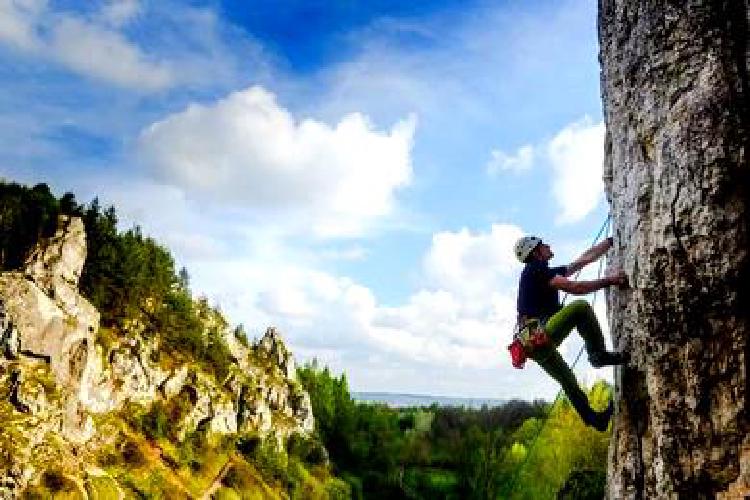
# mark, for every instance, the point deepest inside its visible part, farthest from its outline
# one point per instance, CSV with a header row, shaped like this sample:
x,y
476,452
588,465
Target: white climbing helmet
x,y
524,246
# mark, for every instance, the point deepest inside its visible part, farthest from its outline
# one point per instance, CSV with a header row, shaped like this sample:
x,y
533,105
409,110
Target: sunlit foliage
x,y
518,450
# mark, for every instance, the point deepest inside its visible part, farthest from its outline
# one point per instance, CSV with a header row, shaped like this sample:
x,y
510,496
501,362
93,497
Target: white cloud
x,y
185,45
248,150
519,162
17,22
93,47
120,12
467,307
465,311
469,264
103,53
576,154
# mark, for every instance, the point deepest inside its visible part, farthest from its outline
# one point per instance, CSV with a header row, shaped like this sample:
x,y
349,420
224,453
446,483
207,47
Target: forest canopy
x,y
518,450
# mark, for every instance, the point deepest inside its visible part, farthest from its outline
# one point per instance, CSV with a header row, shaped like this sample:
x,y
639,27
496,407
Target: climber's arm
x,y
589,256
564,284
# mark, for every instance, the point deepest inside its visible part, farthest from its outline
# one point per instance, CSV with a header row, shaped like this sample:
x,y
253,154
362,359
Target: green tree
x,y
26,216
565,444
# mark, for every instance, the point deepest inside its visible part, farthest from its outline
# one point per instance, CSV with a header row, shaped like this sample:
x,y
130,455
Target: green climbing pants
x,y
579,315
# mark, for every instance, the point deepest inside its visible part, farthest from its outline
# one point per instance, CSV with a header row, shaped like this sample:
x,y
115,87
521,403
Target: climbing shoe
x,y
600,420
606,358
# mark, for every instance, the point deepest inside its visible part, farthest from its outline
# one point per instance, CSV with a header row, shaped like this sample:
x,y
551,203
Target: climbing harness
x,y
527,338
603,230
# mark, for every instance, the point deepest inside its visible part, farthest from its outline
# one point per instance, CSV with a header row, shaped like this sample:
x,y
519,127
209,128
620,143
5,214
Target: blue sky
x,y
352,172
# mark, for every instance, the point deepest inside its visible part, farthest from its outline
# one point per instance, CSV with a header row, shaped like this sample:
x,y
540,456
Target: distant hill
x,y
396,400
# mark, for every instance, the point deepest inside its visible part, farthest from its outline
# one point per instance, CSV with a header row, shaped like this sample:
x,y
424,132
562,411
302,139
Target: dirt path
x,y
216,484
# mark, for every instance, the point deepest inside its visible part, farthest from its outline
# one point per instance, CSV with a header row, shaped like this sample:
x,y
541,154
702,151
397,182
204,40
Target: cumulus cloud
x,y
576,154
467,306
519,162
465,309
472,264
249,150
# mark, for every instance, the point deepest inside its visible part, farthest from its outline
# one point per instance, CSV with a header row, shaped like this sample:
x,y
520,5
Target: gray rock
x,y
52,322
272,345
675,91
55,264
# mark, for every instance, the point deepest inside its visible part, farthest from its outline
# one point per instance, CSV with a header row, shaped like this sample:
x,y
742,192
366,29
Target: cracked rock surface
x,y
675,93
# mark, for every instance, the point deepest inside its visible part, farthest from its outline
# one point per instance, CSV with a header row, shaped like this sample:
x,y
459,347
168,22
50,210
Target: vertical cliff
x,y
675,92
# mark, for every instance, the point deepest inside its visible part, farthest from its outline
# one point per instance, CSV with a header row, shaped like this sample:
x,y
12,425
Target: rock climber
x,y
543,322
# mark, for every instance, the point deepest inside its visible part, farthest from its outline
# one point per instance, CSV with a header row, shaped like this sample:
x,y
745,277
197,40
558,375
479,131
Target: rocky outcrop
x,y
271,346
57,376
675,92
50,323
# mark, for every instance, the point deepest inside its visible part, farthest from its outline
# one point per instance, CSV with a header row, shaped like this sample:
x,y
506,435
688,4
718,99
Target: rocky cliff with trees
x,y
675,91
130,385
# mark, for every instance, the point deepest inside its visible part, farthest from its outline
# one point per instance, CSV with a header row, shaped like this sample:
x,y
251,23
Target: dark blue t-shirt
x,y
536,299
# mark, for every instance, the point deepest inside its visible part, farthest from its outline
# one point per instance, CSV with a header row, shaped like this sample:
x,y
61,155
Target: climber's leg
x,y
580,315
559,370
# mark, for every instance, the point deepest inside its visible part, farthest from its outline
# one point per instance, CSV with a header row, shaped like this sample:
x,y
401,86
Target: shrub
x,y
271,462
308,449
132,454
584,485
193,449
155,422
55,481
338,489
241,477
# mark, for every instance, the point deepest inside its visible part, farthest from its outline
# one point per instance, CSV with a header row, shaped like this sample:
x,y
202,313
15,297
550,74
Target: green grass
x,y
225,493
101,488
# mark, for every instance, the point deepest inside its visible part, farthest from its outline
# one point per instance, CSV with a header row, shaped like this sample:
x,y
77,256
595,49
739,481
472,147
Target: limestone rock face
x,y
675,92
47,321
272,346
55,265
